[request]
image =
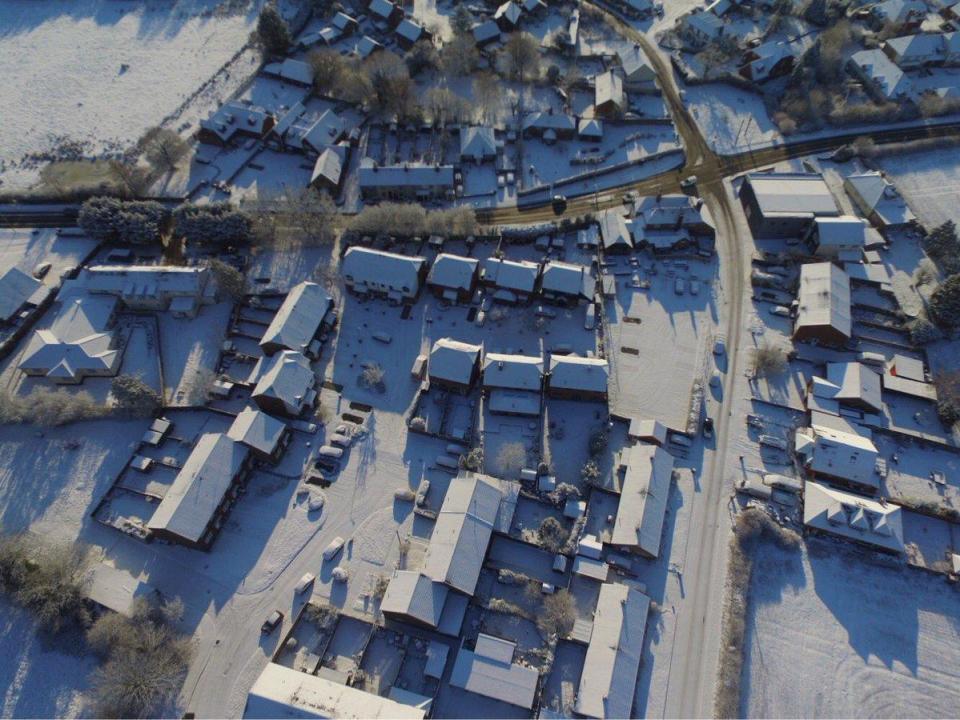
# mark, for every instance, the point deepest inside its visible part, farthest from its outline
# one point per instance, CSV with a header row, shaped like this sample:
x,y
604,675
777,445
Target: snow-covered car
x,y
272,622
781,310
335,546
720,345
304,582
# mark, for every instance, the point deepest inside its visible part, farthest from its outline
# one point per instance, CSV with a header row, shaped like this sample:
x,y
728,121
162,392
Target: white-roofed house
x,y
783,205
290,70
566,283
453,277
823,305
235,119
841,456
410,181
854,384
702,28
385,11
409,32
284,384
412,597
615,233
578,378
266,436
305,310
454,365
489,670
194,505
911,52
513,383
181,290
841,238
645,491
282,692
609,98
507,16
486,33
878,525
477,144
328,169
609,678
878,200
18,290
880,76
637,72
383,274
514,280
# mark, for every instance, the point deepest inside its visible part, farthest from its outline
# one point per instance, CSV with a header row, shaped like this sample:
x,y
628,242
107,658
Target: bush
x,y
216,224
948,397
46,407
272,31
511,459
923,332
769,359
943,246
123,221
372,377
133,397
473,460
590,472
551,534
231,283
597,442
410,219
944,307
558,614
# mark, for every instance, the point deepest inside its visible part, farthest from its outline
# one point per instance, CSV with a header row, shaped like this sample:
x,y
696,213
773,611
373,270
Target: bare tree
x,y
372,376
488,94
132,179
163,148
558,614
769,359
520,56
443,105
328,68
511,458
459,57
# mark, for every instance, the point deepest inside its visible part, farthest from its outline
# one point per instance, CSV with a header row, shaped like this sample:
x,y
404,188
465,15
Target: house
x,y
851,384
952,12
823,310
842,238
346,24
907,376
549,126
783,205
410,181
265,436
578,378
533,7
842,456
412,597
409,32
486,33
827,510
881,78
769,60
328,170
702,28
912,52
906,15
366,46
453,277
153,288
454,365
513,383
648,431
590,129
566,283
879,201
18,292
78,344
385,11
236,119
489,670
284,384
478,144
608,97
638,73
507,16
608,680
313,135
282,692
290,70
305,310
647,476
192,510
514,280
615,233
384,274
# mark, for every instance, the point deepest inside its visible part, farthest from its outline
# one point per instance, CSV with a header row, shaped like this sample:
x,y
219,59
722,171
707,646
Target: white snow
x,y
929,181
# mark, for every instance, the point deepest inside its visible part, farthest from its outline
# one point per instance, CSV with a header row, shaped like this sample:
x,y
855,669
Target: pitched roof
x,y
840,454
286,376
299,317
199,487
409,30
257,430
453,361
852,516
16,289
614,230
568,279
643,499
477,142
509,11
792,194
881,71
329,165
415,595
487,671
453,271
873,193
824,298
377,266
608,88
407,175
512,372
571,372
518,275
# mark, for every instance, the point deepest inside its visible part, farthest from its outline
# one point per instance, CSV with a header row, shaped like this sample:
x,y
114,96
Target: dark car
x,y
559,204
272,622
708,428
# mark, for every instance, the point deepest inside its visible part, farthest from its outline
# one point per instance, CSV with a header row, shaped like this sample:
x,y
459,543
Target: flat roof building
x,y
782,205
298,321
823,310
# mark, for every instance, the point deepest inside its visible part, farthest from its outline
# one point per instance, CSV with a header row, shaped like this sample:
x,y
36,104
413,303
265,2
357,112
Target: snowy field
x,y
102,71
930,182
832,634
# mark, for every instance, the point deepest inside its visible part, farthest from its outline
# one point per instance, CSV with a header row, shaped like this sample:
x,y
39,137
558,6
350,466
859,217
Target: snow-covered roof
x,y
477,143
382,8
512,372
571,372
257,430
614,230
282,692
568,279
409,30
609,677
286,377
366,265
636,66
882,73
873,193
509,11
454,361
489,670
16,289
550,121
198,489
841,454
846,231
590,128
531,6
143,282
316,133
453,271
898,11
297,321
852,516
292,70
855,382
342,21
518,275
236,116
407,175
824,298
415,595
462,532
366,46
792,194
705,23
486,31
643,499
608,88
921,47
329,165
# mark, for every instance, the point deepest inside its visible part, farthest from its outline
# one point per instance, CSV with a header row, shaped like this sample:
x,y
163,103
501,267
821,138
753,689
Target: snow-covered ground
x,y
99,72
833,634
930,182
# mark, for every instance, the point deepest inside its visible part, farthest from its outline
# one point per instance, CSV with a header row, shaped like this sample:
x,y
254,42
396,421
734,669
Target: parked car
x,y
304,582
781,310
559,204
716,379
708,428
335,546
272,622
720,345
40,271
590,321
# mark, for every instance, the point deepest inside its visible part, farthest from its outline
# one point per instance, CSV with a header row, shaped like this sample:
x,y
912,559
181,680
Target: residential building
x,y
648,431
293,71
453,277
513,383
284,384
590,129
507,16
877,525
907,376
851,384
385,11
644,493
549,126
409,32
769,60
615,233
486,33
489,670
702,28
265,436
783,205
18,292
911,52
236,119
375,272
608,680
328,170
842,456
414,598
841,238
366,46
609,99
823,309
410,181
906,15
638,73
578,378
312,135
881,78
192,510
153,288
454,365
477,144
566,283
514,280
282,692
879,201
296,326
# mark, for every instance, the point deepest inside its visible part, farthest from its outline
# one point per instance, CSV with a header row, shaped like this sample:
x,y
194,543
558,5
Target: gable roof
x,y
568,279
518,275
824,298
415,595
257,430
643,499
881,71
453,271
453,361
477,142
377,266
329,165
571,372
297,321
852,516
286,376
489,670
512,372
16,289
